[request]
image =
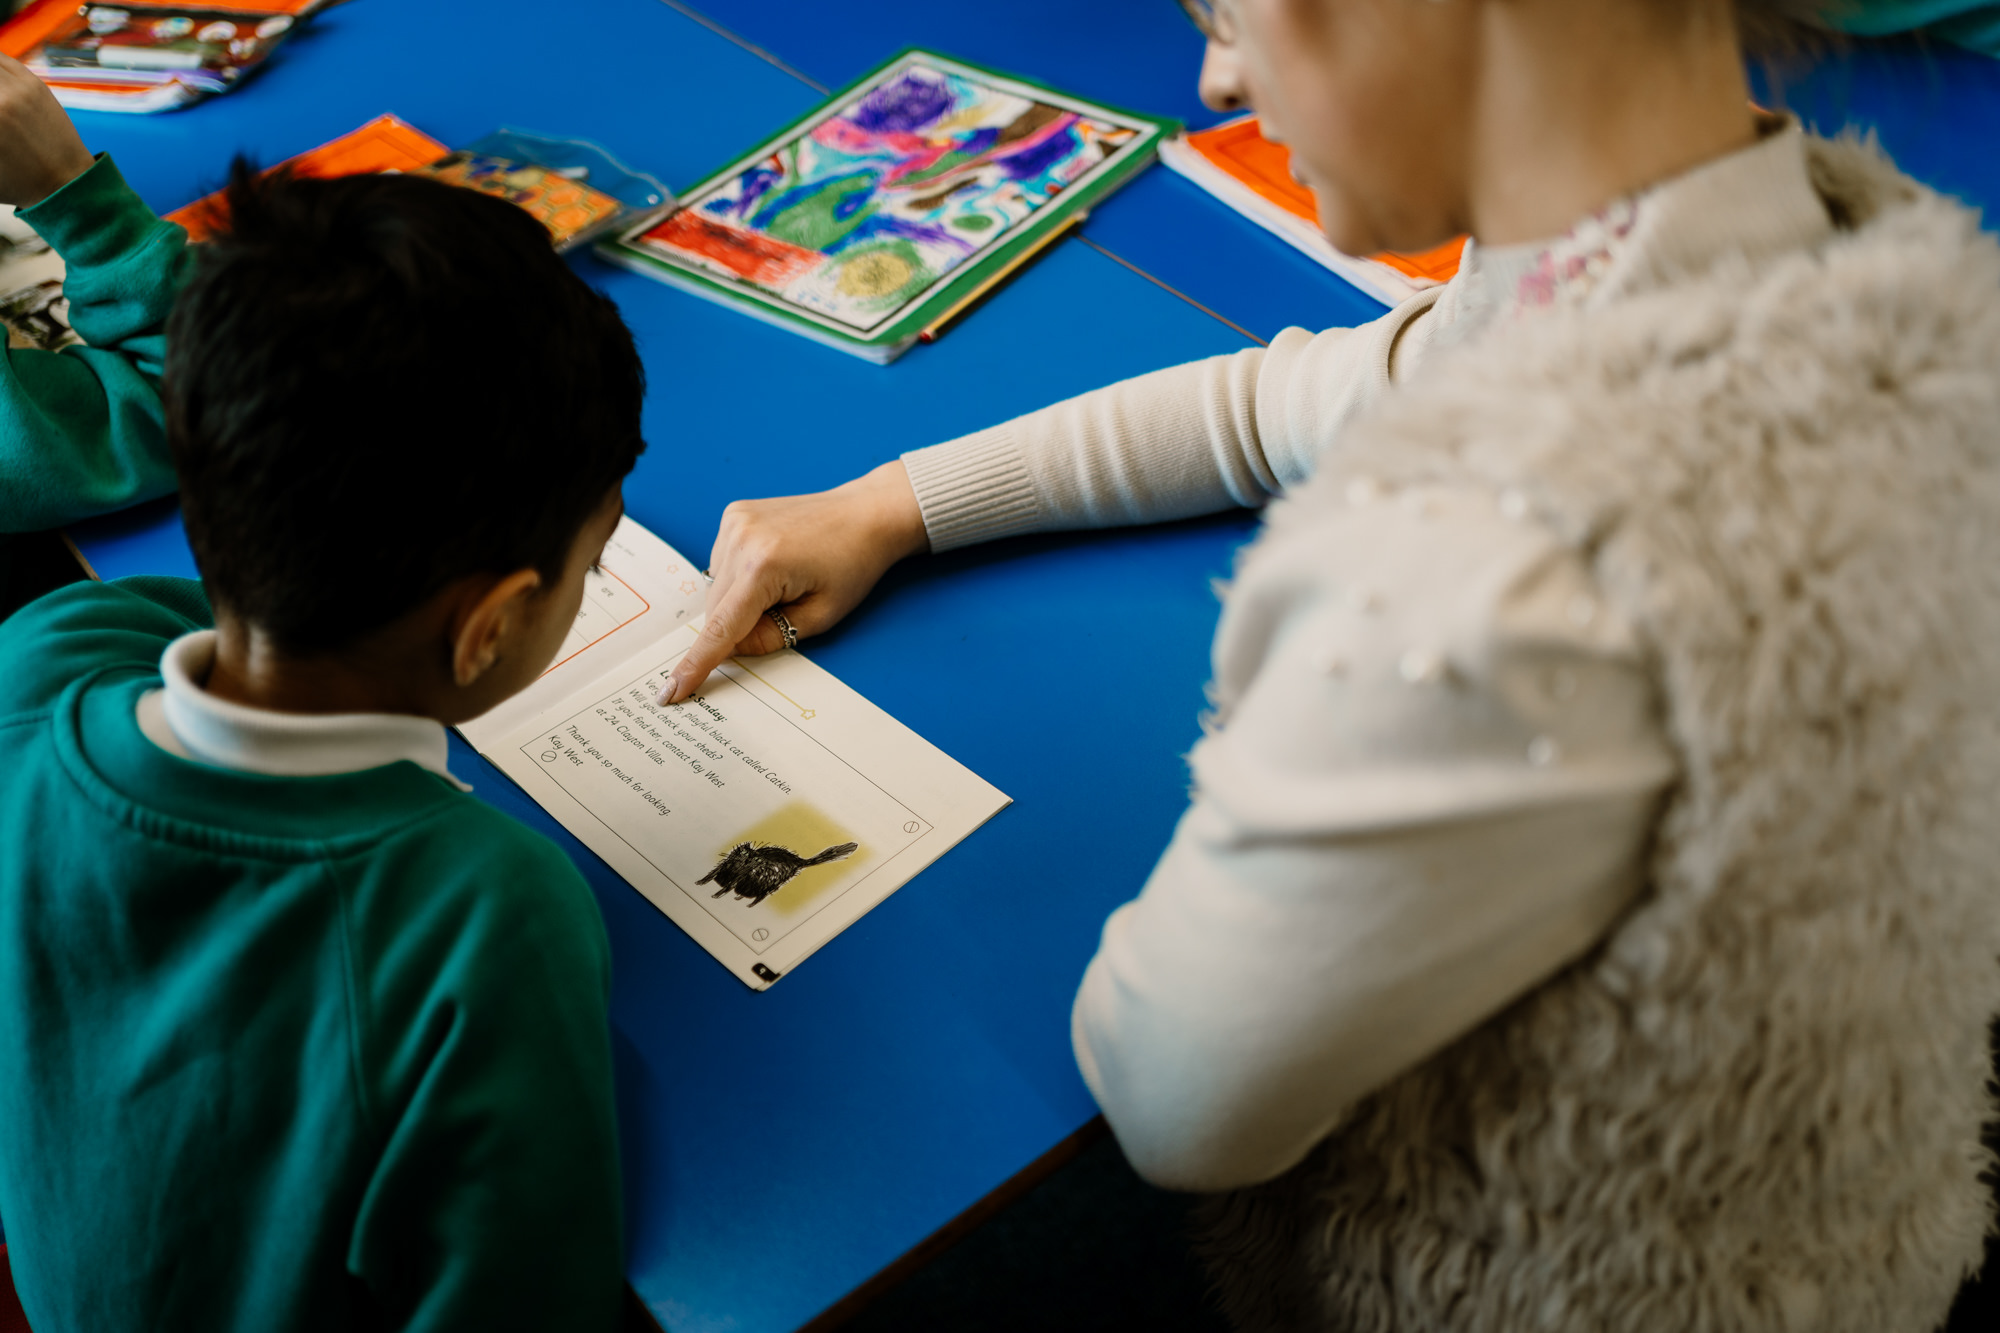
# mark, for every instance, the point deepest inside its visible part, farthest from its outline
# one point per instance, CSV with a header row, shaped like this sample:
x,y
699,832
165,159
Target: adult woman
x,y
1582,921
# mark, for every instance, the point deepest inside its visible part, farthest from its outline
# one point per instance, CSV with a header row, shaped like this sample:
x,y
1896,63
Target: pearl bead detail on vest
x,y
1421,666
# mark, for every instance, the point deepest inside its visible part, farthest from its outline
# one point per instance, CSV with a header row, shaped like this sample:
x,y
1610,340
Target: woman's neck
x,y
1581,102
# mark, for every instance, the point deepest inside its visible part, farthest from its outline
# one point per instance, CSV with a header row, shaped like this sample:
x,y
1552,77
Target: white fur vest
x,y
1757,1105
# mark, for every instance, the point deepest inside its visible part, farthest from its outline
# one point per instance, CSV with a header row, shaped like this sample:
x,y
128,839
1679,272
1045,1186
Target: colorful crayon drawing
x,y
865,211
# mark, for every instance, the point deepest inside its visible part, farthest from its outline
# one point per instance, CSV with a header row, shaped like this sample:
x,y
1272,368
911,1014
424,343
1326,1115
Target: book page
x,y
763,815
642,590
33,310
766,814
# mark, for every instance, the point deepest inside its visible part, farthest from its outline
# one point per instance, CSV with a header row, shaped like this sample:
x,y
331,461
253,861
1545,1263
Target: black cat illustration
x,y
758,872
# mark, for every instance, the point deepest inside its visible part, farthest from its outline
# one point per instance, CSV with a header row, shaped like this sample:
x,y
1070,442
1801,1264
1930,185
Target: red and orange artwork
x,y
748,254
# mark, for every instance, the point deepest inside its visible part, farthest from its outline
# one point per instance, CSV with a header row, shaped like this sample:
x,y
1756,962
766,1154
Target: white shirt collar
x,y
187,720
1756,202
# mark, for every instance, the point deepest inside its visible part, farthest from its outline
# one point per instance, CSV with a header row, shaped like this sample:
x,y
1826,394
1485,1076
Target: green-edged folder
x,y
879,213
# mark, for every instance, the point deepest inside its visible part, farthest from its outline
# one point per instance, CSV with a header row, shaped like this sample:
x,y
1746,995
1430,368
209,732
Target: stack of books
x,y
147,56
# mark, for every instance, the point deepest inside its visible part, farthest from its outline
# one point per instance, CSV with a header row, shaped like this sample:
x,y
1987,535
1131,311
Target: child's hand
x,y
40,151
816,556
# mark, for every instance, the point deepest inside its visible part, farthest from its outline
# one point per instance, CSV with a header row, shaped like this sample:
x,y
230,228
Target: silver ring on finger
x,y
784,627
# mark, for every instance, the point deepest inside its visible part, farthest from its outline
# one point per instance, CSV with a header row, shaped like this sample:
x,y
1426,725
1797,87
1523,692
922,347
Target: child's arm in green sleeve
x,y
82,430
485,1059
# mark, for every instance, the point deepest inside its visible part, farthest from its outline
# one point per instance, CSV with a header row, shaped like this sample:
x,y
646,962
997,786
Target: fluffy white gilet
x,y
1757,1105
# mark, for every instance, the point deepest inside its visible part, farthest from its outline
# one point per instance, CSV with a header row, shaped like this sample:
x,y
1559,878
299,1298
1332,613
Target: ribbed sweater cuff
x,y
974,489
95,218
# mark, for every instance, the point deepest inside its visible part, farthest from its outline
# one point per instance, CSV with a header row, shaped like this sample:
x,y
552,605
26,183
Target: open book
x,y
765,814
33,310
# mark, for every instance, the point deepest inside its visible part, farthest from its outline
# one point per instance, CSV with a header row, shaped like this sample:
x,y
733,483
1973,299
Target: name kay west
x,y
658,736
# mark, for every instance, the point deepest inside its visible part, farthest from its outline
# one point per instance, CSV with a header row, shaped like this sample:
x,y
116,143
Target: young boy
x,y
81,430
294,1033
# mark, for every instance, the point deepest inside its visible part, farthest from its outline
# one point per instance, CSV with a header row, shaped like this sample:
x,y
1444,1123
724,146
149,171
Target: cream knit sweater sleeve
x,y
1193,439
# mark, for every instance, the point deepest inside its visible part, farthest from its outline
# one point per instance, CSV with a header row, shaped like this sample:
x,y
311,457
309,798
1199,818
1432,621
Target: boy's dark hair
x,y
378,384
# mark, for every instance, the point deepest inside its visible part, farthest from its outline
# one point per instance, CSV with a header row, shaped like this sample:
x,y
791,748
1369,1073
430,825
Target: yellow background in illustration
x,y
802,829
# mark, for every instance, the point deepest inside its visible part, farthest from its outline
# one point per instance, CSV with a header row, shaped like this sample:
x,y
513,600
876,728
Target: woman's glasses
x,y
1204,15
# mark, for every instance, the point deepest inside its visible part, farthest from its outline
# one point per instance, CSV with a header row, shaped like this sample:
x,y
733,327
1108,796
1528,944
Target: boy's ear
x,y
483,625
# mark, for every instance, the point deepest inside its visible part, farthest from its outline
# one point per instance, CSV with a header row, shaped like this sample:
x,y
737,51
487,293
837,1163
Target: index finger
x,y
728,621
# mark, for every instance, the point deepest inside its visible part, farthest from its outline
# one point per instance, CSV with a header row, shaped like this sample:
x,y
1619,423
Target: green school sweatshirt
x,y
282,1053
81,430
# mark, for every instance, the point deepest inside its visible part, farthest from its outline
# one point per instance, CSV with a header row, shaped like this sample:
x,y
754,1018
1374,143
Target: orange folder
x,y
1241,151
383,144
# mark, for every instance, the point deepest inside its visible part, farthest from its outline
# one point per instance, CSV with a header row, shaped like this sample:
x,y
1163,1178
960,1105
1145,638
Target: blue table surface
x,y
780,1148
